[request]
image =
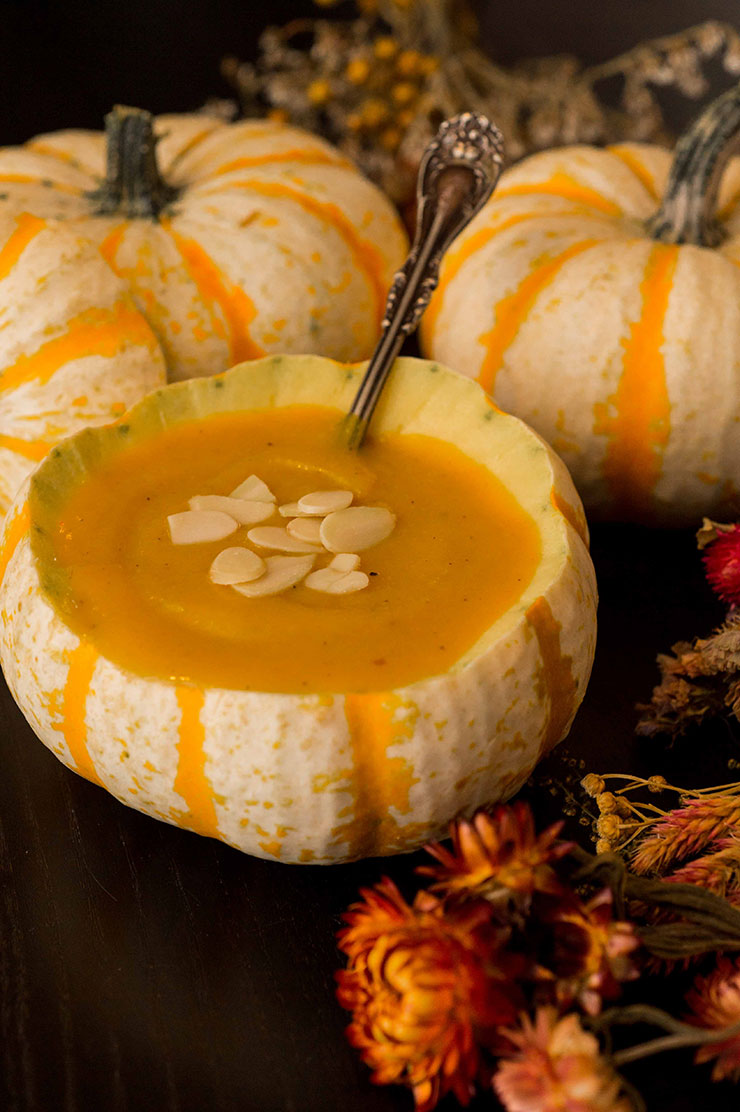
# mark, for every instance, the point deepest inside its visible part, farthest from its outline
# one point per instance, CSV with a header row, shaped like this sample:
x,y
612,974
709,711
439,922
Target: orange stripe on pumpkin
x,y
574,517
236,306
111,243
455,260
636,418
562,185
82,661
15,530
27,228
306,158
103,332
190,780
366,255
638,168
35,180
511,311
30,449
379,781
557,674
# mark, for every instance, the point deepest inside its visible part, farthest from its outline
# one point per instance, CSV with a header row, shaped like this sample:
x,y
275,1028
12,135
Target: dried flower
x,y
718,871
593,785
557,1067
593,954
722,564
715,1003
500,857
686,831
421,55
424,985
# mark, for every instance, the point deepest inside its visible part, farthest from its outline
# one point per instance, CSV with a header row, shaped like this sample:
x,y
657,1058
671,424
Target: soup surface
x,y
461,554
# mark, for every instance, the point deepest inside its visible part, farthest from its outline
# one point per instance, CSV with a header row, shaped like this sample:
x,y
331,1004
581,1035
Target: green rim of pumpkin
x,y
421,397
133,186
687,213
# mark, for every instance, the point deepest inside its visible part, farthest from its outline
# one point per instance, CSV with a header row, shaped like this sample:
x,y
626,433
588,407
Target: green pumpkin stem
x,y
133,185
688,211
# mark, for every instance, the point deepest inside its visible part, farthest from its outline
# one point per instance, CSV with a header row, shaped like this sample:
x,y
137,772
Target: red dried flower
x,y
715,1003
722,564
593,954
557,1068
424,985
500,857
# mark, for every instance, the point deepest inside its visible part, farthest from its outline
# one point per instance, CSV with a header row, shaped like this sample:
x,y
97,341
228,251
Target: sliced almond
x,y
333,582
243,511
274,536
292,509
200,526
345,561
324,502
305,529
356,528
254,490
282,572
236,565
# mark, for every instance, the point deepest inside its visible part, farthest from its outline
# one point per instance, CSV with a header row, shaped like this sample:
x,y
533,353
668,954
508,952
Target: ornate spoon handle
x,y
457,175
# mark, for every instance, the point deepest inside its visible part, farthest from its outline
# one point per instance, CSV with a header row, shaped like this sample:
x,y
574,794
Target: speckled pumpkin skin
x,y
622,352
320,778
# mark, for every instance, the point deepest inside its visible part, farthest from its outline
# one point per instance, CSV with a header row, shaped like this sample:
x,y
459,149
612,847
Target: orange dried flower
x,y
715,1003
686,831
593,954
557,1067
500,857
423,986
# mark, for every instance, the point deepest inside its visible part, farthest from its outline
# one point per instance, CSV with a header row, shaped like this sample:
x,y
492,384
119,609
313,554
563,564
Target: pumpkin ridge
x,y
513,309
235,304
82,661
562,185
190,779
27,228
365,254
15,530
640,426
558,677
103,332
632,162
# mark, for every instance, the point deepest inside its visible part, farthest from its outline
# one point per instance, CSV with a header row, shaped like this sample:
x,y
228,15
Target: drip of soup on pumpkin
x,y
459,555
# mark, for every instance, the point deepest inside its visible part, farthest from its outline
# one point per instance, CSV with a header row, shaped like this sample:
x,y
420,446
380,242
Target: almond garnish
x,y
274,536
333,582
254,490
345,561
356,528
200,526
305,529
323,502
282,572
292,509
243,511
236,565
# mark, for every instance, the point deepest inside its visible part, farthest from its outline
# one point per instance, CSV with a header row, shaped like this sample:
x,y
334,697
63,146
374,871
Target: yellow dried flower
x,y
319,91
385,47
657,783
592,784
373,112
408,62
608,826
428,64
406,117
607,803
404,92
603,845
390,138
357,71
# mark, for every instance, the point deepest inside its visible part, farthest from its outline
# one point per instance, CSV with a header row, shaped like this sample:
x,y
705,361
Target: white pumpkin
x,y
611,321
313,777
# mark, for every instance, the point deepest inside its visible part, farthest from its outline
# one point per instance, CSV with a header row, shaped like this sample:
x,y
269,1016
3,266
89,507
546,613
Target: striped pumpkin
x,y
312,777
613,329
234,239
74,349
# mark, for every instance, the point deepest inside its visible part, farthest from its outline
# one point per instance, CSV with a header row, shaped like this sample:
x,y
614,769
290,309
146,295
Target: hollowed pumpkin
x,y
612,328
295,755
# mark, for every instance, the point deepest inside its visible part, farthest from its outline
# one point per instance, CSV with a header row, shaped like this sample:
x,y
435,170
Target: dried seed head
x,y
608,826
592,784
657,783
607,803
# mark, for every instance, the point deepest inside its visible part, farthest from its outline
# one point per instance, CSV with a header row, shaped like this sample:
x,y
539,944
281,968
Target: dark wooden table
x,y
145,969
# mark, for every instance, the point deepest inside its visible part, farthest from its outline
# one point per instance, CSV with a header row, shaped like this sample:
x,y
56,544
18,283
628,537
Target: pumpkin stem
x,y
687,213
133,185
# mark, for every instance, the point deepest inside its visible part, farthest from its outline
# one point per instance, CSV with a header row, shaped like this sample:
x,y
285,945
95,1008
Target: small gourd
x,y
597,296
335,771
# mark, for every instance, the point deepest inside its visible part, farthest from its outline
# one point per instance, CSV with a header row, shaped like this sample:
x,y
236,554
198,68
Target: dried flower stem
x,y
682,1034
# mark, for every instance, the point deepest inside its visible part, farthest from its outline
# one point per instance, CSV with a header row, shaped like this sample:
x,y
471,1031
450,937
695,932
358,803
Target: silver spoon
x,y
457,175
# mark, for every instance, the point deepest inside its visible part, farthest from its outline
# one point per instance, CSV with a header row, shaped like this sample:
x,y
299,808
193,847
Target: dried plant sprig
x,y
377,85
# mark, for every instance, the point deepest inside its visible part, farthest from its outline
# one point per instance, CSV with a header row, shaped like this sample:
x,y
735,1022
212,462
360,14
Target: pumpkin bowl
x,y
370,756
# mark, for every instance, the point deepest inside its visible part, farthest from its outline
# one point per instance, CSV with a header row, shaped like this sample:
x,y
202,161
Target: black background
x,y
144,969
